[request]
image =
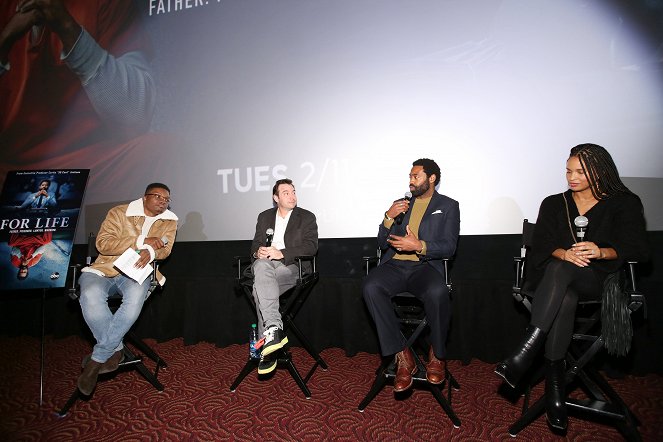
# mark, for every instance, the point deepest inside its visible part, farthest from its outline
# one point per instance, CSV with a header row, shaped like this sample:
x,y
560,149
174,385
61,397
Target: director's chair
x,y
412,318
601,400
290,303
133,355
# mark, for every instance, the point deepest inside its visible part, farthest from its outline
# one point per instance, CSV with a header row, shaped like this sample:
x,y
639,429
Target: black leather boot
x,y
555,397
513,368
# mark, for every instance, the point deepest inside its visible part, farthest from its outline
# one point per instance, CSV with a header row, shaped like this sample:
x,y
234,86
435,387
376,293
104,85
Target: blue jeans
x,y
108,328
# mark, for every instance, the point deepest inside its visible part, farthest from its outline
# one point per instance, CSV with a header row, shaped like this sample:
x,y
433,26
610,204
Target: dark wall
x,y
199,302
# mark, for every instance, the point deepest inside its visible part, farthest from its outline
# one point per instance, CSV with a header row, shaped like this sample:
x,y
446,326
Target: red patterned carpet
x,y
197,404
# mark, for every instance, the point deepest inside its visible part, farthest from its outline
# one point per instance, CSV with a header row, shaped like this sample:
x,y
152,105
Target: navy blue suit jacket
x,y
439,228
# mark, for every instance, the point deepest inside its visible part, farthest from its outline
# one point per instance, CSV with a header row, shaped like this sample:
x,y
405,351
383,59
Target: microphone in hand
x,y
270,236
400,216
581,224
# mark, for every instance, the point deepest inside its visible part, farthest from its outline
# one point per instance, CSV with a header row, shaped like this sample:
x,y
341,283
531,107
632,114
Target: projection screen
x,y
342,96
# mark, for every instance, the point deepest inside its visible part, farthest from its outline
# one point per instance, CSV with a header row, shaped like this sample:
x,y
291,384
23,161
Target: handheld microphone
x,y
400,216
270,236
581,223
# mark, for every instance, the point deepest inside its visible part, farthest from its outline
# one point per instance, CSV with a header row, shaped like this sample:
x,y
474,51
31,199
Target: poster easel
x,y
39,211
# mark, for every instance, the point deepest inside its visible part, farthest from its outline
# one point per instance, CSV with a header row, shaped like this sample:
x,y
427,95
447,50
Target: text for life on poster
x,y
39,210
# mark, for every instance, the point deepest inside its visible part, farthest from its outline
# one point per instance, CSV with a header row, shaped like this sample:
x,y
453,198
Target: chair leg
x,y
453,383
306,343
250,365
612,405
287,360
603,402
378,384
528,417
131,359
142,369
145,349
72,400
437,393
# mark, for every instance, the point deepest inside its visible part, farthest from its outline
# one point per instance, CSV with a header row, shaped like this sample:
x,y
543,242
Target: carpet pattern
x,y
197,404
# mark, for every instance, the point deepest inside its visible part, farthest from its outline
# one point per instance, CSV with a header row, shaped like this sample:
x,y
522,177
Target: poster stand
x,y
39,211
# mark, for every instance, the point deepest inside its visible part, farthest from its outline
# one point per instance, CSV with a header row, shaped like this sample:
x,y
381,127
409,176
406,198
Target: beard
x,y
420,190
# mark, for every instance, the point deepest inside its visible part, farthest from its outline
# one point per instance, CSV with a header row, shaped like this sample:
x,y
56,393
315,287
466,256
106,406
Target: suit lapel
x,y
425,225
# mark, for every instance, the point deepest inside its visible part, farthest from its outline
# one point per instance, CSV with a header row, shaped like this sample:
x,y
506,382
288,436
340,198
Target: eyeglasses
x,y
160,197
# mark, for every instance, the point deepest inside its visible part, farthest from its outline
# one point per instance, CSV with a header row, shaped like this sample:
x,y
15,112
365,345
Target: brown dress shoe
x,y
434,369
88,379
405,368
112,363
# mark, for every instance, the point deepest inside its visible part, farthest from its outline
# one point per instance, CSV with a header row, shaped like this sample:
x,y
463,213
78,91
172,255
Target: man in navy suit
x,y
413,250
283,233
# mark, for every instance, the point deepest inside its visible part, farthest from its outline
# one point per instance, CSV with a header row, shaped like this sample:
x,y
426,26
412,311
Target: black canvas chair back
x,y
135,349
412,318
600,400
290,303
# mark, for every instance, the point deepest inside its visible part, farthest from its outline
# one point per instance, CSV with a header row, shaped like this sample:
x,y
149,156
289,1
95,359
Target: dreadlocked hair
x,y
601,170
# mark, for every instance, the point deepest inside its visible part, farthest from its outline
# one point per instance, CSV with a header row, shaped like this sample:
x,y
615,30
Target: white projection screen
x,y
342,96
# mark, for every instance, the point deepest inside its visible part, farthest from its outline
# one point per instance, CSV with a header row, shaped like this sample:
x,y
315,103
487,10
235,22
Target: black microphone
x,y
270,236
400,216
581,223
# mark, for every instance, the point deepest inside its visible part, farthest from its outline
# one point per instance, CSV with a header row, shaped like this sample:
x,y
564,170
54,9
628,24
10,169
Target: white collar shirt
x,y
279,230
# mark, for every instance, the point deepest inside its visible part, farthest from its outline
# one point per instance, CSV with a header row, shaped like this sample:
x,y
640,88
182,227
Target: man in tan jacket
x,y
147,227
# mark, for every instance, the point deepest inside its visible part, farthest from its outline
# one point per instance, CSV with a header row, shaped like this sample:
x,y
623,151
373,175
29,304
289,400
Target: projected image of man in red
x,y
76,88
27,250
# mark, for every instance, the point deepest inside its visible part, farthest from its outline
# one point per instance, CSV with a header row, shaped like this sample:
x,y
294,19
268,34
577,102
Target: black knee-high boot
x,y
513,368
555,396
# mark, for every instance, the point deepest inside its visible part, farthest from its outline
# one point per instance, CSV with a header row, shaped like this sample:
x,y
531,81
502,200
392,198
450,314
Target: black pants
x,y
555,301
426,284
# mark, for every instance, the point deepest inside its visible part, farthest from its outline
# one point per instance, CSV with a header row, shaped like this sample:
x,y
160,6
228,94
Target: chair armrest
x,y
298,259
637,299
368,261
630,266
447,277
72,290
154,282
239,260
307,258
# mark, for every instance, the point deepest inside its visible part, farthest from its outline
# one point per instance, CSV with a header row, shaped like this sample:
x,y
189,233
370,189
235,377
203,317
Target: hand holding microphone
x,y
399,208
399,218
268,251
582,252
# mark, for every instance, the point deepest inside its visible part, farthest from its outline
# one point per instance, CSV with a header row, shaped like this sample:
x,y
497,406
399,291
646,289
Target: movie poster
x,y
39,210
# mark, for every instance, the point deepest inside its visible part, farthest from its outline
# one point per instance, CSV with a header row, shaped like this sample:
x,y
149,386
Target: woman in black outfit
x,y
566,269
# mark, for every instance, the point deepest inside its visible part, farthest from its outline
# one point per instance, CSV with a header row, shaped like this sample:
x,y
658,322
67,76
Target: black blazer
x,y
301,234
440,227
